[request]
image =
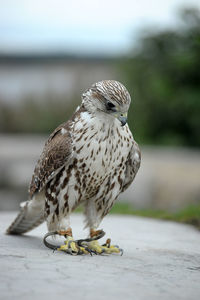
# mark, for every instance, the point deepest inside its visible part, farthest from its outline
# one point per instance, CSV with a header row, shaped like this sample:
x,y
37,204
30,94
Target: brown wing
x,y
57,152
132,165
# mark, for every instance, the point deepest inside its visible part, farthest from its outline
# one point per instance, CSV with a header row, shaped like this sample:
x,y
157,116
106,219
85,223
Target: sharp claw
x,y
89,251
85,249
72,252
69,251
122,251
80,252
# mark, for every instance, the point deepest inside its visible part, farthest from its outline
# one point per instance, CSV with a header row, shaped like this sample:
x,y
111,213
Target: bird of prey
x,y
88,160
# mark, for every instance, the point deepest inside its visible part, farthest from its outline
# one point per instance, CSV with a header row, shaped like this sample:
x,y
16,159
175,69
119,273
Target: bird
x,y
89,160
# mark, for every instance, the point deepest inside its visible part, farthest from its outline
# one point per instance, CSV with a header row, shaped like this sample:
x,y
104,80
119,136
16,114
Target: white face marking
x,y
63,131
86,116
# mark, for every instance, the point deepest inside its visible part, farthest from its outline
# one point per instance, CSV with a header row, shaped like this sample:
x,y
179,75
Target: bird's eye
x,y
110,106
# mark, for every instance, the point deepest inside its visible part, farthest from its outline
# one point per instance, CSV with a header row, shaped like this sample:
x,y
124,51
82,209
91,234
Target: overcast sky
x,y
82,26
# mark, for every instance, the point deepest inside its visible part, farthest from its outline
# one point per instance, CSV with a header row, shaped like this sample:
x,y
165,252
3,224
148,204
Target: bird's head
x,y
109,97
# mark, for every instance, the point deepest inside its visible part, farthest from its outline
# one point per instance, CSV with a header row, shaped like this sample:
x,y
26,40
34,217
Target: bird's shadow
x,y
25,242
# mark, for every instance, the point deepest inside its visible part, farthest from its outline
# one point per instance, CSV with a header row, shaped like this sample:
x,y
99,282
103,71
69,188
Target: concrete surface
x,y
161,261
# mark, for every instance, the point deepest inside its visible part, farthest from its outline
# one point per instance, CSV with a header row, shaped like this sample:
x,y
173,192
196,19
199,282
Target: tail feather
x,y
30,216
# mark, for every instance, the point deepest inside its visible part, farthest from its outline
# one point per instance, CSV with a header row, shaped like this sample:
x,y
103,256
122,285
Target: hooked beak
x,y
122,118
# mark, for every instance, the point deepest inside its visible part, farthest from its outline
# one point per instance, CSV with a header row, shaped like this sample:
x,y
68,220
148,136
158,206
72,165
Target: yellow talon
x,y
107,248
111,249
95,246
70,246
83,250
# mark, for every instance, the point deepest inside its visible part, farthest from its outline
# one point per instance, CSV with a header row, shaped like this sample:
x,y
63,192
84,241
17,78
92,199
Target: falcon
x,y
88,160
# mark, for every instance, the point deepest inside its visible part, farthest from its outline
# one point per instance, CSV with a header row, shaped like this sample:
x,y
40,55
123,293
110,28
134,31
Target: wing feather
x,y
57,152
132,165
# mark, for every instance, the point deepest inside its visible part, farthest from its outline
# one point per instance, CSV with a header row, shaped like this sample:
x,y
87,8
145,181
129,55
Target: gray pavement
x,y
161,261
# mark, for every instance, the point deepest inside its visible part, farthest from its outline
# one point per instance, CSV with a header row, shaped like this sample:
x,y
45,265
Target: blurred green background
x,y
165,70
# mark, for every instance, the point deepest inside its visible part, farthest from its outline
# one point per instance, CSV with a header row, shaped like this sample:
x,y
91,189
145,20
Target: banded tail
x,y
30,216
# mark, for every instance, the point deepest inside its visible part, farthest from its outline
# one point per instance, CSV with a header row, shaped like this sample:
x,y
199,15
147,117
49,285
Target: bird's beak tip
x,y
123,119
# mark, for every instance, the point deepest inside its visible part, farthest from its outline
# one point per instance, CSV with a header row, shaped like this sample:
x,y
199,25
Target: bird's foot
x,y
83,246
112,248
93,244
106,248
70,245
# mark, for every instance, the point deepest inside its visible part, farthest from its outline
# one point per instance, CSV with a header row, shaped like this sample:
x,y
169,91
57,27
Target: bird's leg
x,y
70,246
94,245
93,219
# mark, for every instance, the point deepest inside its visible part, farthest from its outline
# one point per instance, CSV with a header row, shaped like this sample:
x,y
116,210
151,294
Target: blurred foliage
x,y
163,77
31,116
189,215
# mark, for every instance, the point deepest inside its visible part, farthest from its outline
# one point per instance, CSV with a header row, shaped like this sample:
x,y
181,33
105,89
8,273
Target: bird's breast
x,y
100,150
